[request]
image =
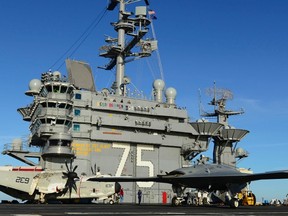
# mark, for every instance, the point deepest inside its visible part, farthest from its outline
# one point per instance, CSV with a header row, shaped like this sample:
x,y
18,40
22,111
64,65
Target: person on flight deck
x,y
121,193
139,196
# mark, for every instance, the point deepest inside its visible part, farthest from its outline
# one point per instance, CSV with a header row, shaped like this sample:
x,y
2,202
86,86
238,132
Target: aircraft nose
x,y
117,187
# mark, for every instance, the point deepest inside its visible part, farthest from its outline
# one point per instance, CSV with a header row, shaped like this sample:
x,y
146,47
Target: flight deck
x,y
134,209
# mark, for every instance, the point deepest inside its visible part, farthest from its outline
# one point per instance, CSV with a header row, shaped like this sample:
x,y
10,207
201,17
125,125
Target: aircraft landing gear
x,y
176,201
193,201
234,203
42,198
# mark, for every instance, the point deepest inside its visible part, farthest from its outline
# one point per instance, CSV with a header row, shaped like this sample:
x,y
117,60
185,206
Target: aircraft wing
x,y
217,181
282,174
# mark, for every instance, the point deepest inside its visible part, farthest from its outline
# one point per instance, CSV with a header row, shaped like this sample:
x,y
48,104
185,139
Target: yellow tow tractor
x,y
247,198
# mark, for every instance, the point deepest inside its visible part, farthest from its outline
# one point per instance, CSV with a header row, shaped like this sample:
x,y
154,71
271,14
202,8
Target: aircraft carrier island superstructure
x,y
110,130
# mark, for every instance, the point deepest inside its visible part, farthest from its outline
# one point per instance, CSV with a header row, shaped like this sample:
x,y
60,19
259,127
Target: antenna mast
x,y
118,50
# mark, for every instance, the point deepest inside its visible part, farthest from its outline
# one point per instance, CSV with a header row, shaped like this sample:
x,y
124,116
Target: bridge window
x,y
77,112
60,121
78,96
56,89
68,123
61,105
53,142
49,88
52,104
70,90
76,127
63,89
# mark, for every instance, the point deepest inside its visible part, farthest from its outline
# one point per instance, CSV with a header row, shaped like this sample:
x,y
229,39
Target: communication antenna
x,y
200,102
158,53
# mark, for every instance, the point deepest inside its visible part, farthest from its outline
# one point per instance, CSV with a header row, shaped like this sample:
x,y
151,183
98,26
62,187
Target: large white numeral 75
x,y
148,164
139,161
124,157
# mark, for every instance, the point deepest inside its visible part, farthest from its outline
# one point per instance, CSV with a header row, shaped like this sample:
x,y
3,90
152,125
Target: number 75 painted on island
x,y
139,161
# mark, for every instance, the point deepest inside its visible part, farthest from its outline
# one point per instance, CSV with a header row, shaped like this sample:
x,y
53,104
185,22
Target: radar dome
x,y
34,85
170,95
158,84
56,75
171,92
240,153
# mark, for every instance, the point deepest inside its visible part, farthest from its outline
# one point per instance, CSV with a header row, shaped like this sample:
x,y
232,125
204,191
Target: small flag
x,y
152,14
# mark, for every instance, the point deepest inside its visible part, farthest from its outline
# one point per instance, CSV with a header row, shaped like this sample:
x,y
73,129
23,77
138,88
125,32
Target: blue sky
x,y
240,44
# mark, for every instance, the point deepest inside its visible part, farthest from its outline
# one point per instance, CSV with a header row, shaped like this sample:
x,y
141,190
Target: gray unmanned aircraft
x,y
225,181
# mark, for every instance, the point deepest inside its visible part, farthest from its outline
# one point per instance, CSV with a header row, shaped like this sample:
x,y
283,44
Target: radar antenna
x,y
219,98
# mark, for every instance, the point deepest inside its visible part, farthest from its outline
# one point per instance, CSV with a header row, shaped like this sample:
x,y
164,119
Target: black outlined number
x,y
22,180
